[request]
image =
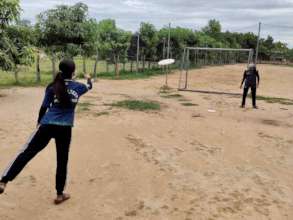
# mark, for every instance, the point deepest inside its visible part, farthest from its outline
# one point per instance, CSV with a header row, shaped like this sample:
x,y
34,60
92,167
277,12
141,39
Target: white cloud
x,y
235,15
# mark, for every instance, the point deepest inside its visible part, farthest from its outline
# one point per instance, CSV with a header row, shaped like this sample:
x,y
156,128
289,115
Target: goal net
x,y
195,57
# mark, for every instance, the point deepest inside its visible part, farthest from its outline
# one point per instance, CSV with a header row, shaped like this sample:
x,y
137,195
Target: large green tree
x,y
113,41
62,31
22,50
148,41
9,12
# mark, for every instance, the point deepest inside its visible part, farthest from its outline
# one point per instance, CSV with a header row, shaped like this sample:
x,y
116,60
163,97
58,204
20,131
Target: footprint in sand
x,y
205,149
135,211
152,155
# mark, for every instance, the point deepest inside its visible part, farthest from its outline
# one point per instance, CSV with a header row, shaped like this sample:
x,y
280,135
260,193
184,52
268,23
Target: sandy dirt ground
x,y
181,163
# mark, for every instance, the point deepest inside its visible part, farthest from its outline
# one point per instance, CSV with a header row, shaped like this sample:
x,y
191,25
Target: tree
x,y
149,40
90,45
180,38
61,31
9,11
213,28
22,52
114,42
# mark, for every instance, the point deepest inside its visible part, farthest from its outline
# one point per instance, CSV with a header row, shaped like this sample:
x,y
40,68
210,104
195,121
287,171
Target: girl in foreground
x,y
55,120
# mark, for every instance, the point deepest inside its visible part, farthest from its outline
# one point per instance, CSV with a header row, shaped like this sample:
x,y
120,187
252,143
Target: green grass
x,y
183,100
282,101
165,89
84,106
98,114
27,76
189,104
127,75
170,96
137,105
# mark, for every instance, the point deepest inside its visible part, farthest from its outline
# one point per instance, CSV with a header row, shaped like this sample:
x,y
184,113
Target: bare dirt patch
x,y
183,162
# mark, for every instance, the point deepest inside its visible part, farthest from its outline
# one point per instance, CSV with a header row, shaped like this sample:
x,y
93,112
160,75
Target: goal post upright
x,y
185,65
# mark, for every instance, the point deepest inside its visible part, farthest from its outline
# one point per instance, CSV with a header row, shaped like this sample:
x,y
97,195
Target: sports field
x,y
199,156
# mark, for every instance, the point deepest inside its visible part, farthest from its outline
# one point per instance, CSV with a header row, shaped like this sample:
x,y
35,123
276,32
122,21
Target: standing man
x,y
251,79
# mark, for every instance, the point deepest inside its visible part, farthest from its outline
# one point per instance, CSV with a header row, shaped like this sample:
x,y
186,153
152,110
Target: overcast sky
x,y
234,15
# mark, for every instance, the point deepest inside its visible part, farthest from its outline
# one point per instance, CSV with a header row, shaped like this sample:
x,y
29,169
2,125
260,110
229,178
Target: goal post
x,y
204,56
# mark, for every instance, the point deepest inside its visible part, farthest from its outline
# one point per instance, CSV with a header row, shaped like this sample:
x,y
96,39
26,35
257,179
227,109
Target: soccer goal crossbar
x,y
200,56
218,49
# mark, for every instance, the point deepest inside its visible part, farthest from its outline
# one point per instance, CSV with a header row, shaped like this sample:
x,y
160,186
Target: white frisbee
x,y
212,111
166,62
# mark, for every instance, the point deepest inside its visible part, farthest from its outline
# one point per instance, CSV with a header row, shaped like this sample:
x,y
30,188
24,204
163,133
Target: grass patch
x,y
273,100
98,114
165,89
189,104
84,106
172,96
137,105
127,75
26,79
183,100
27,74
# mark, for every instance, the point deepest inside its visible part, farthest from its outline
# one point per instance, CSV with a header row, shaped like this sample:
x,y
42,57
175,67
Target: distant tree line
x,y
68,31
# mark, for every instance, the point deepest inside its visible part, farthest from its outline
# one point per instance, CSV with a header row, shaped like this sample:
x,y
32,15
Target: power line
x,y
252,27
278,26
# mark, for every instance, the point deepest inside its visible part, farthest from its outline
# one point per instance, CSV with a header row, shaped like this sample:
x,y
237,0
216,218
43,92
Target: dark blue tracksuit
x,y
251,78
54,122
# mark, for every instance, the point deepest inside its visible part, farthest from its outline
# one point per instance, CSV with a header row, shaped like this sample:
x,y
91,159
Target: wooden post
x,y
84,65
53,65
38,71
96,65
137,54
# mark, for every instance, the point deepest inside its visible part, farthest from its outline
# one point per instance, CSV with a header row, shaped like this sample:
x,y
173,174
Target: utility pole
x,y
169,36
168,54
137,54
164,47
258,40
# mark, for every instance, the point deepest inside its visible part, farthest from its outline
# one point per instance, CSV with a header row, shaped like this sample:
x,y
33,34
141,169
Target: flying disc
x,y
212,110
166,62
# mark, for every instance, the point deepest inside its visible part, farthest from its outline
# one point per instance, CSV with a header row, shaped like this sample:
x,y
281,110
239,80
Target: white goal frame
x,y
185,63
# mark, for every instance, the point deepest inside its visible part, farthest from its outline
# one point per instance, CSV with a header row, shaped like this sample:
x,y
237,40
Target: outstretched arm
x,y
84,88
89,82
48,99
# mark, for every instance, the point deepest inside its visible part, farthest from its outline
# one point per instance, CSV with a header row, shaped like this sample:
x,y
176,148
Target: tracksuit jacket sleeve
x,y
47,101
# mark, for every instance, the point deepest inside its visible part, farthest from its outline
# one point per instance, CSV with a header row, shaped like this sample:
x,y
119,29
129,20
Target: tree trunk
x,y
131,66
143,63
84,65
95,67
123,65
38,71
117,66
137,66
16,75
53,66
107,66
